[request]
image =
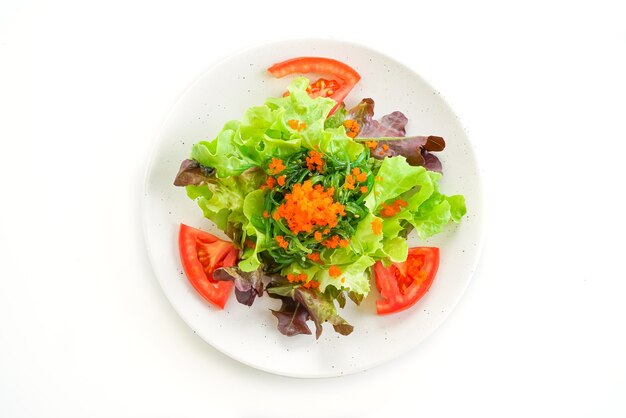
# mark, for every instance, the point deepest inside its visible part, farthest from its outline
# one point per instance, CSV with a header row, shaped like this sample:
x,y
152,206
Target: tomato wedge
x,y
342,74
201,254
323,88
401,285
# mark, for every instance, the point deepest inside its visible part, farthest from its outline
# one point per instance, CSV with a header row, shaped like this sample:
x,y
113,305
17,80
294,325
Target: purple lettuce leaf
x,y
390,136
357,298
247,285
321,309
416,149
431,162
391,125
192,172
299,305
292,317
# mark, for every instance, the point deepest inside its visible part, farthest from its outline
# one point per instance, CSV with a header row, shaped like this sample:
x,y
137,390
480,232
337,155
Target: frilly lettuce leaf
x,y
436,213
391,125
299,305
248,285
394,177
253,227
389,133
322,309
291,315
337,118
265,133
223,153
427,210
222,199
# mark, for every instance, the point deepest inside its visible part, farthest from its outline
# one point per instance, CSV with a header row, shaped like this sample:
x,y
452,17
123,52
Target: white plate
x,y
249,335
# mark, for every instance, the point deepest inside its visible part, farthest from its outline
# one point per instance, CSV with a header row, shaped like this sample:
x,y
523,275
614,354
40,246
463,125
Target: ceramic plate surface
x,y
249,335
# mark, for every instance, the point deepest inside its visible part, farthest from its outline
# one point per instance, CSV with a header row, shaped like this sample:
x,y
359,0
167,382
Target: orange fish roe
x,y
377,226
332,242
281,180
249,243
282,243
352,127
271,182
363,189
336,241
349,184
313,257
371,145
356,176
359,175
266,214
334,271
379,179
276,166
317,235
276,216
307,206
388,211
343,280
326,231
312,284
385,147
296,125
314,161
295,279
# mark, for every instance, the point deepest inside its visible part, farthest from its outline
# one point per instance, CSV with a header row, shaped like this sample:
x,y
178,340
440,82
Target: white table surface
x,y
85,329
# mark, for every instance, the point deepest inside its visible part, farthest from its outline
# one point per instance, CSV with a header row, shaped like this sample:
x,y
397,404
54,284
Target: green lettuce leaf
x,y
264,133
223,152
252,226
426,210
222,199
337,118
436,213
394,177
355,275
396,249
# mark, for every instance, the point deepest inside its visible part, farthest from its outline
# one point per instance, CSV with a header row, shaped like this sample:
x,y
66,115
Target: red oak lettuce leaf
x,y
389,136
391,125
300,304
247,285
192,172
292,317
321,309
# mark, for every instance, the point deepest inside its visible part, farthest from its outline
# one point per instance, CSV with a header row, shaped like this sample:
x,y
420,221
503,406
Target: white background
x,y
85,329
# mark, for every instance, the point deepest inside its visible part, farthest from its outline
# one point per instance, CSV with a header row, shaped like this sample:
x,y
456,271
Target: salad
x,y
317,200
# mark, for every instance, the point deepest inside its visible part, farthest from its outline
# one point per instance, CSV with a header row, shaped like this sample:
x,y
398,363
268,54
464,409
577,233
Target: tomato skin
x,y
318,65
201,254
401,285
